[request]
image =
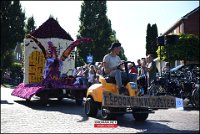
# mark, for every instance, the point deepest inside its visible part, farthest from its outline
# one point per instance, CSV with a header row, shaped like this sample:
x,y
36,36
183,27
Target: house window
x,y
174,31
18,56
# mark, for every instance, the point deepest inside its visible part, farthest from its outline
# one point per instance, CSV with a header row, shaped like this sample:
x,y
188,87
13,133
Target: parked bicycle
x,y
183,84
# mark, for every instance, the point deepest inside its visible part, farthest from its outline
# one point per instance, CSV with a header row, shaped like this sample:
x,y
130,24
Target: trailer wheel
x,y
90,107
44,98
119,114
79,102
140,116
60,99
28,100
107,115
79,98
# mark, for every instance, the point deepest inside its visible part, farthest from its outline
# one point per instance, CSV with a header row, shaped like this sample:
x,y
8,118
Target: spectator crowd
x,y
145,69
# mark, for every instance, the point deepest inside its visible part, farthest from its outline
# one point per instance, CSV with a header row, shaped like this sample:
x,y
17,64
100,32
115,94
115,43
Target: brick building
x,y
188,24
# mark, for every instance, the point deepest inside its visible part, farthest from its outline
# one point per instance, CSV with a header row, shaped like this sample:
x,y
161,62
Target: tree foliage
x,y
151,39
12,29
30,25
186,49
95,24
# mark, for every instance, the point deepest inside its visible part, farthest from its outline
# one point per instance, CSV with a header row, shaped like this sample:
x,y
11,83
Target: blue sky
x,y
129,18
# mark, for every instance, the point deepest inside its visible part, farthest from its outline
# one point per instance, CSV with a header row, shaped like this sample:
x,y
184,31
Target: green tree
x,y
30,25
186,49
122,55
154,40
151,40
148,39
95,24
12,30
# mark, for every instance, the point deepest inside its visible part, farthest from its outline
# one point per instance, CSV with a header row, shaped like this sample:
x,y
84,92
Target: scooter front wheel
x,y
90,107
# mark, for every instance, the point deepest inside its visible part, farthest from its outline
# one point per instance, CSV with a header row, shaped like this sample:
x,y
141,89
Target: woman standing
x,y
91,75
142,76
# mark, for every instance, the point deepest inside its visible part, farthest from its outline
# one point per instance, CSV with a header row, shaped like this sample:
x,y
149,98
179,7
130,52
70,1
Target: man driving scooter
x,y
113,67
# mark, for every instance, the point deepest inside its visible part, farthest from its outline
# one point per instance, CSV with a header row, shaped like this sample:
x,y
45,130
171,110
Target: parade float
x,y
50,39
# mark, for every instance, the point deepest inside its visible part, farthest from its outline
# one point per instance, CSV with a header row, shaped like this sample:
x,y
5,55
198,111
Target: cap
x,y
114,45
130,64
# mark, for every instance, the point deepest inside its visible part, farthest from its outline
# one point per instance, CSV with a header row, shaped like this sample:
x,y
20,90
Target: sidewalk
x,y
6,95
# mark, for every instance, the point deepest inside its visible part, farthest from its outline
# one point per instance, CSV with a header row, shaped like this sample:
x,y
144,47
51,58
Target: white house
x,y
18,53
34,59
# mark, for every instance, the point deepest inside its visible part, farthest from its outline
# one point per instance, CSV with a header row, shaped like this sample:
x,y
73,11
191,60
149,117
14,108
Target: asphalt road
x,y
19,116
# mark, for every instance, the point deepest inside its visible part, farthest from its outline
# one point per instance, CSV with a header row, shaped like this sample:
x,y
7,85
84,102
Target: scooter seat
x,y
110,79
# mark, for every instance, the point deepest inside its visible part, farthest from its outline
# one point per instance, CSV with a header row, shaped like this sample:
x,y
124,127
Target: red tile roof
x,y
51,29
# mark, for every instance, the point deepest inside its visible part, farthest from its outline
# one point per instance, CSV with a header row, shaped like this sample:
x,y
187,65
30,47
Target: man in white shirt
x,y
151,69
111,62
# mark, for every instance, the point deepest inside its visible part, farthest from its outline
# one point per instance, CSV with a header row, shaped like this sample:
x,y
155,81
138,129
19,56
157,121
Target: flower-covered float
x,y
49,53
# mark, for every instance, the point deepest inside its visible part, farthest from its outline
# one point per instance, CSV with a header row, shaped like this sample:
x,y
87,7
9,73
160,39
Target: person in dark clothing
x,y
151,69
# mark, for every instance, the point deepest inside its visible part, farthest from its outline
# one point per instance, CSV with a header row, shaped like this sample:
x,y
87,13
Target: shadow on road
x,y
69,107
149,126
5,102
190,109
65,106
